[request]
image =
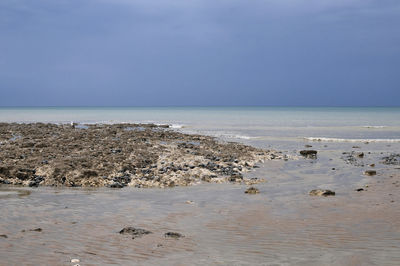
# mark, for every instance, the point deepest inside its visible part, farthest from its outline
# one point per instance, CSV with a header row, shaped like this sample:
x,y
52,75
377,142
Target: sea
x,y
282,225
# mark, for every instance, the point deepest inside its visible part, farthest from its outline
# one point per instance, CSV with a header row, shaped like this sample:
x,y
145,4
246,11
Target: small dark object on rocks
x,y
173,235
115,185
372,165
4,236
36,230
333,168
135,232
360,155
322,192
252,190
359,189
370,172
309,153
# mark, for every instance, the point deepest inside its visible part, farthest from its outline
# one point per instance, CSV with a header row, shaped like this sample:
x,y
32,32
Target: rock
x,y
75,260
235,178
372,165
351,158
360,155
36,181
392,159
134,232
4,236
36,230
359,189
309,153
119,155
322,192
356,147
189,202
252,190
308,146
370,172
116,185
173,235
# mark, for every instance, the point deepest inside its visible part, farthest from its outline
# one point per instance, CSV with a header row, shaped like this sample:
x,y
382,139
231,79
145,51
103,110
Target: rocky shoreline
x,y
119,155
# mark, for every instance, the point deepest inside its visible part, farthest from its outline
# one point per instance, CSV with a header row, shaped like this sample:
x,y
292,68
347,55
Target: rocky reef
x,y
118,155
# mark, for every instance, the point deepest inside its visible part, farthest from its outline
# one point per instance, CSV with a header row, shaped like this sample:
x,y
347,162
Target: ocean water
x,y
269,124
282,225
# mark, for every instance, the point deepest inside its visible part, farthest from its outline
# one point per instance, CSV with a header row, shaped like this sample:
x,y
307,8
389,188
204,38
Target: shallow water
x,y
282,225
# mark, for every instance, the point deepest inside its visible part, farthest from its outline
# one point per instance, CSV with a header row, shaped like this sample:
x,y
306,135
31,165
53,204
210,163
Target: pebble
x,y
252,190
370,172
173,235
75,260
322,192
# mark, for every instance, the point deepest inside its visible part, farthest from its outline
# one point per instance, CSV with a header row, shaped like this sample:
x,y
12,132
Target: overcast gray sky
x,y
199,52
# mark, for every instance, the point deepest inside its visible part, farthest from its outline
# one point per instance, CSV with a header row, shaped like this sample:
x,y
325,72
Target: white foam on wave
x,y
233,136
350,140
374,126
176,126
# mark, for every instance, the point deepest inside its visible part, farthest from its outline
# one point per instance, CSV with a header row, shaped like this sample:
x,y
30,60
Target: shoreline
x,y
119,155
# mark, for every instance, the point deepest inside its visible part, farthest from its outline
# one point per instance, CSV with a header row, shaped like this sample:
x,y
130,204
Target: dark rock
x,y
308,146
252,190
116,185
359,189
392,159
360,155
134,232
309,153
322,192
4,236
36,230
235,178
370,172
173,235
350,158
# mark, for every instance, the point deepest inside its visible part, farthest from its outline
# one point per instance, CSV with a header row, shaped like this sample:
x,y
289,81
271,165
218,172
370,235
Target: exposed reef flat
x,y
118,155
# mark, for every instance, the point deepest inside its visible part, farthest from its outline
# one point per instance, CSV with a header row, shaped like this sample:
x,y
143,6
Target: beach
x,y
218,222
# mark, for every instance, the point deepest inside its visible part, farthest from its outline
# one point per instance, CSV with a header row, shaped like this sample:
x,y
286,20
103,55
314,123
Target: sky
x,y
199,52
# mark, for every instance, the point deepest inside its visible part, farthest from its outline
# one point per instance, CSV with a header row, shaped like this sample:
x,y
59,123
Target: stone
x,y
4,236
173,235
392,159
359,189
36,230
75,260
360,155
370,172
252,190
322,192
134,232
309,153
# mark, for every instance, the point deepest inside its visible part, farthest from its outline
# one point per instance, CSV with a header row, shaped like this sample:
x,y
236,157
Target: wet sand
x,y
282,225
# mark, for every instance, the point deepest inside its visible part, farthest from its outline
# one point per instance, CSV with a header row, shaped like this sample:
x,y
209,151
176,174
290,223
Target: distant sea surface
x,y
258,125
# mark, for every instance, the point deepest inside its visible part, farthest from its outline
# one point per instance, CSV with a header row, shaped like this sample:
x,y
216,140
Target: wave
x,y
374,126
232,136
176,126
350,140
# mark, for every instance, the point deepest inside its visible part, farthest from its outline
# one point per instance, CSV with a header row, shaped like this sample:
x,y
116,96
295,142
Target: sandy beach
x,y
197,212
